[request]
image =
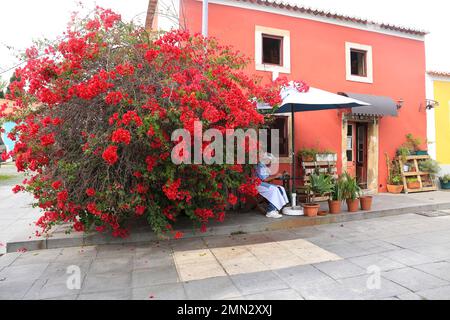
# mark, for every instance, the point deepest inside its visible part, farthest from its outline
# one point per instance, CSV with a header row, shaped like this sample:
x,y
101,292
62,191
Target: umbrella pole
x,y
293,191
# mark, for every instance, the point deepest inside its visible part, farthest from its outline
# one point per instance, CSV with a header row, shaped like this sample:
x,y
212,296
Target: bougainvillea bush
x,y
95,112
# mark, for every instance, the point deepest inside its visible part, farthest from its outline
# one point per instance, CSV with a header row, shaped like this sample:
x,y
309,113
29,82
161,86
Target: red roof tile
x,y
438,73
333,15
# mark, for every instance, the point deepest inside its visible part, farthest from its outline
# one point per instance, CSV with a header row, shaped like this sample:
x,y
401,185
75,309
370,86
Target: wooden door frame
x,y
372,148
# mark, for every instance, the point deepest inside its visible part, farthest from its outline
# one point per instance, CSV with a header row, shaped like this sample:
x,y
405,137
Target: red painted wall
x,y
318,57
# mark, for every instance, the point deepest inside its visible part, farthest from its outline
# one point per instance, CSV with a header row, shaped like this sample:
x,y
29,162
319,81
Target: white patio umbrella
x,y
312,100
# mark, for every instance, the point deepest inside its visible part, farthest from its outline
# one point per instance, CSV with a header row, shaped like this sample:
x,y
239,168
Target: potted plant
x,y
307,154
411,167
326,155
336,197
322,185
394,181
412,183
414,144
310,209
429,166
366,202
395,184
445,181
351,191
403,152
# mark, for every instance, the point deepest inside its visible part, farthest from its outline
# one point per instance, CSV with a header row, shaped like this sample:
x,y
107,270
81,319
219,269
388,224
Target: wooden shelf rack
x,y
421,176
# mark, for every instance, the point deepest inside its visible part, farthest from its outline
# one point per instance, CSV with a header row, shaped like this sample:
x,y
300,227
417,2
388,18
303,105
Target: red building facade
x,y
331,52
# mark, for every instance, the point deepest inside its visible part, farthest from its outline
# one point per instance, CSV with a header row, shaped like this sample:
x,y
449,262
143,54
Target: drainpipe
x,y
205,18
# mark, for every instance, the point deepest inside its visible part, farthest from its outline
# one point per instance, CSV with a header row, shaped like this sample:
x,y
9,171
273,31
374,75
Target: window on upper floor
x,y
272,50
358,62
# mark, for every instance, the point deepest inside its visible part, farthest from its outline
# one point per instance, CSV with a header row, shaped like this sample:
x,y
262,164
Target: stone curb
x,y
285,223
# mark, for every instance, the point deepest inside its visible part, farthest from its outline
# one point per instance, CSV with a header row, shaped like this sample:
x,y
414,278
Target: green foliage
x,y
413,143
403,151
430,166
337,194
307,153
351,188
321,184
394,172
445,178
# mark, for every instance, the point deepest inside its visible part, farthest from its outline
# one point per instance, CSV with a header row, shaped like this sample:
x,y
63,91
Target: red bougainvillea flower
x,y
95,112
121,136
110,155
48,139
90,192
140,210
232,199
78,226
178,235
56,185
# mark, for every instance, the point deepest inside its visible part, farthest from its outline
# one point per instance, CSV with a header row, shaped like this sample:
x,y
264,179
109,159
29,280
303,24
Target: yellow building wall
x,y
442,120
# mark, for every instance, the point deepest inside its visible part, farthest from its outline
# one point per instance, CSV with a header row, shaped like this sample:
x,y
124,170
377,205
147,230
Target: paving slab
x,y
410,296
340,269
377,260
106,282
359,285
305,275
112,265
413,279
154,276
408,257
211,289
283,294
438,269
121,294
171,291
258,282
441,293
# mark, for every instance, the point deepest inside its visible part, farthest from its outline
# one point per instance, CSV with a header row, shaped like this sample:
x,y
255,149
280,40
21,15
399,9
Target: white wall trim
x,y
259,65
349,24
431,118
369,63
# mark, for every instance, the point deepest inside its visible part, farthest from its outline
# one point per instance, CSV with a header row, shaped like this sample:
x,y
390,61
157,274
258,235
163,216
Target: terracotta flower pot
x,y
413,185
352,205
307,158
311,209
393,188
366,203
334,206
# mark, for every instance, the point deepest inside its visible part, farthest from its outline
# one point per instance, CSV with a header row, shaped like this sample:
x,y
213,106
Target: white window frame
x,y
349,46
285,34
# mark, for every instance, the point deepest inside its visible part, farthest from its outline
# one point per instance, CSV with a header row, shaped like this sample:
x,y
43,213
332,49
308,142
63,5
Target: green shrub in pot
x,y
351,191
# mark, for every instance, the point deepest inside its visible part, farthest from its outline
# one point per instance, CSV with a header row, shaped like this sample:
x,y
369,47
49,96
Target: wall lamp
x,y
400,103
430,104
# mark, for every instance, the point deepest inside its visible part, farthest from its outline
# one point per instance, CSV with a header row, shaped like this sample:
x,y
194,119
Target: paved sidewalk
x,y
411,252
20,231
16,215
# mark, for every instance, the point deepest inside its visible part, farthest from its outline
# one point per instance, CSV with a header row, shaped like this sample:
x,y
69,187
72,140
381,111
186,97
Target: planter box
x,y
392,188
445,186
326,157
421,153
413,185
